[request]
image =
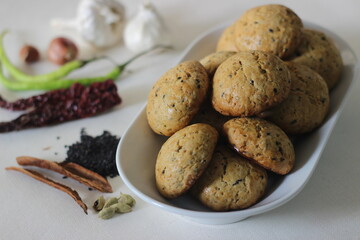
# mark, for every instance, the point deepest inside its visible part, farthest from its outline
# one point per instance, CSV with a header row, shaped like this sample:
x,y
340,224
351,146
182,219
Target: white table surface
x,y
327,208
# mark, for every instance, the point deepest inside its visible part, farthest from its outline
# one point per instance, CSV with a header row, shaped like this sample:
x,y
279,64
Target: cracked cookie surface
x,y
307,104
230,182
272,28
176,97
263,142
183,158
250,82
319,53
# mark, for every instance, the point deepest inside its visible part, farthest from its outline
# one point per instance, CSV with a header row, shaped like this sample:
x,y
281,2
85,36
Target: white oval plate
x,y
138,148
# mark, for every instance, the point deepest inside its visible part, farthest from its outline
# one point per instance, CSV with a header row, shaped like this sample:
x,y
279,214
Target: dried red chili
x,y
62,105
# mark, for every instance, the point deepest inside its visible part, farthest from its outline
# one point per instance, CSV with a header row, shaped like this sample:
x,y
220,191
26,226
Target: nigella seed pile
x,y
95,153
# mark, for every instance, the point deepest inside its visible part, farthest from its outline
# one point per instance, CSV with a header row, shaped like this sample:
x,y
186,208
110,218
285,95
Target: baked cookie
x,y
176,97
263,142
272,28
230,182
307,104
183,158
250,82
212,61
319,53
227,40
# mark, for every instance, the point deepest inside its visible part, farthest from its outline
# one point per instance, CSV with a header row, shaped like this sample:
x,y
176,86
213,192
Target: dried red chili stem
x,y
75,172
52,183
63,105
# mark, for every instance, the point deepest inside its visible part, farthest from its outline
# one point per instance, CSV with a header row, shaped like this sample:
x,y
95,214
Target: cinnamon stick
x,y
52,183
72,170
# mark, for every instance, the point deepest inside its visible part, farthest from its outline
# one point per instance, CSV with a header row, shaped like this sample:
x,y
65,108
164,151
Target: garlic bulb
x,y
99,22
145,30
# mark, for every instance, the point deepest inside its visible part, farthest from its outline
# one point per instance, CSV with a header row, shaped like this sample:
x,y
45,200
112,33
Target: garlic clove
x,y
100,22
145,30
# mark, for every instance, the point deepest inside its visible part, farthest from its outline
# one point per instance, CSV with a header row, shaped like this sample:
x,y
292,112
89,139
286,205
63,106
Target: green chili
x,y
20,76
66,83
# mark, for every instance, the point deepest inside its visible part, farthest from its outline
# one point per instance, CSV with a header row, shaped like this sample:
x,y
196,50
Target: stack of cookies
x,y
229,116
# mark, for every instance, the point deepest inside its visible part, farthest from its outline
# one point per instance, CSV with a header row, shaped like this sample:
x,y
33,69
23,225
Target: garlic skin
x,y
145,30
99,22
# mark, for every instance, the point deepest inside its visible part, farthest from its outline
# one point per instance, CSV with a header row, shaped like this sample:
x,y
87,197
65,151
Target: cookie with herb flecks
x,y
261,141
183,158
307,105
230,182
250,82
272,28
319,53
176,97
212,61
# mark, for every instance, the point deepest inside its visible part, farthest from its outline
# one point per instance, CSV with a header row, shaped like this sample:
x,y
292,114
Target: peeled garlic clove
x,y
145,30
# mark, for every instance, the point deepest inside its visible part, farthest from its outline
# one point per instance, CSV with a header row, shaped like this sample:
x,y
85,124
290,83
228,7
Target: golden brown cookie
x,y
320,54
230,182
250,82
272,28
263,142
227,40
307,104
183,158
176,97
212,61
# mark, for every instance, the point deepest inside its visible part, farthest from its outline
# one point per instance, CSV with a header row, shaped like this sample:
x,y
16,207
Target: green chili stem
x,y
20,76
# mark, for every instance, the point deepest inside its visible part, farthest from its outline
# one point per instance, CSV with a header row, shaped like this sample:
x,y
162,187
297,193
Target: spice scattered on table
x,y
95,153
107,208
62,105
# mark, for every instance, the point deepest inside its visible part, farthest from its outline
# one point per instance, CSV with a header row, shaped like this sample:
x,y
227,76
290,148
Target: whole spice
x,y
95,153
145,30
20,76
29,54
123,204
99,22
62,50
75,172
62,105
99,203
52,183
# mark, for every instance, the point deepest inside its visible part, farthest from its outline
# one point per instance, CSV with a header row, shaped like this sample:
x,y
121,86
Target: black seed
x,y
275,90
95,153
271,30
251,82
64,177
281,150
237,182
90,189
262,71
